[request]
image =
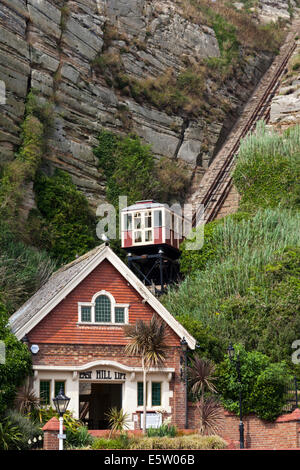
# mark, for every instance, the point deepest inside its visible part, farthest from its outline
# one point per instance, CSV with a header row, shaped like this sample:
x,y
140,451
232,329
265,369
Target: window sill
x,y
100,324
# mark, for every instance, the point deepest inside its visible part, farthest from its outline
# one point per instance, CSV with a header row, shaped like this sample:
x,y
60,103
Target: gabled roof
x,y
63,281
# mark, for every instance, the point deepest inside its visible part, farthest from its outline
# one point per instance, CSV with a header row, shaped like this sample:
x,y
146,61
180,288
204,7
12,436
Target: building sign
x,y
102,374
153,420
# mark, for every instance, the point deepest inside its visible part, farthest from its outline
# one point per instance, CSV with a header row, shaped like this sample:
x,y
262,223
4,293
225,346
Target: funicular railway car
x,y
148,226
151,234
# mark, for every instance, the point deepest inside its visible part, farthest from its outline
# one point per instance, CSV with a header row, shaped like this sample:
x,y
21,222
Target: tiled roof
x,y
57,281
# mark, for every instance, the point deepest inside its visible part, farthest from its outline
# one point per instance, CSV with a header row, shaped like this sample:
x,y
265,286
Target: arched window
x,y
103,309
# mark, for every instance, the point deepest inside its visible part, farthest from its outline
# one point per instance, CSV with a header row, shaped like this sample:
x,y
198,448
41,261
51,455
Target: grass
x,y
267,173
242,250
193,441
23,269
232,25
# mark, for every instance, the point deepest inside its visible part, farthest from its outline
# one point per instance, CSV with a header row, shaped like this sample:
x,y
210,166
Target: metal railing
x,y
291,396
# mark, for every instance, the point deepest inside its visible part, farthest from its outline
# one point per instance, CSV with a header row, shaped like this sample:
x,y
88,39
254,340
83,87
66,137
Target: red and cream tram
x,y
147,225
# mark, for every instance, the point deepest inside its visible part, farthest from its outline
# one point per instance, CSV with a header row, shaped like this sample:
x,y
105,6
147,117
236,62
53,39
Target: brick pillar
x,y
51,430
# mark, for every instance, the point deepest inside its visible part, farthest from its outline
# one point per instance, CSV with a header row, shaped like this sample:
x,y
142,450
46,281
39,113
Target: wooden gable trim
x,y
147,296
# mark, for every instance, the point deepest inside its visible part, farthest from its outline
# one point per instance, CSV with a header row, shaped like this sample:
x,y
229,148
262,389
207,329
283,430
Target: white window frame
x,y
113,307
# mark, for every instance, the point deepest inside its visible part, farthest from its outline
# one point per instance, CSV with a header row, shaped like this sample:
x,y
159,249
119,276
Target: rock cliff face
x,y
51,46
285,108
270,10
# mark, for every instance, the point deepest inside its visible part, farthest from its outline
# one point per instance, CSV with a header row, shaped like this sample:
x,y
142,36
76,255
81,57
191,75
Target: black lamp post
x,y
184,377
61,403
231,354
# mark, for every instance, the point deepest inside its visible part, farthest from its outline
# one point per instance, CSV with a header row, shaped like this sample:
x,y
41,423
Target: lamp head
x,y
230,351
61,402
184,344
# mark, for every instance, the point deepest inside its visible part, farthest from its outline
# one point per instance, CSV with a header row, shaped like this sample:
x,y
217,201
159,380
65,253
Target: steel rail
x,y
219,189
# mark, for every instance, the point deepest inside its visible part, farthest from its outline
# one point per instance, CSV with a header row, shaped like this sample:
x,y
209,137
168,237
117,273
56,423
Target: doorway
x,y
95,405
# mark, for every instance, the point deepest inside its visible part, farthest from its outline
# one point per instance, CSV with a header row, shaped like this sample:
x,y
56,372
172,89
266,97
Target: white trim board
x,y
106,363
98,258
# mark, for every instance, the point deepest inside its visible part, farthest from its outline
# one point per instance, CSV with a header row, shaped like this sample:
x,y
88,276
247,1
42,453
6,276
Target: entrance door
x,y
102,398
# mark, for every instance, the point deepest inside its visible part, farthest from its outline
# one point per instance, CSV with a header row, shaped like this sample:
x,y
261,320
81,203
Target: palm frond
x,y
201,375
147,340
26,400
211,416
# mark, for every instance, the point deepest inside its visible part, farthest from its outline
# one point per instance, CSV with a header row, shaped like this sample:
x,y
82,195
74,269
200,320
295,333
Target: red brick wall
x,y
60,326
51,442
71,354
284,433
63,342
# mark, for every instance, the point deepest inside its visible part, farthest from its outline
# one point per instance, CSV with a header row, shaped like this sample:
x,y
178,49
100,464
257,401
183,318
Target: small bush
x,y
78,438
193,441
10,436
121,442
263,384
64,223
27,428
164,430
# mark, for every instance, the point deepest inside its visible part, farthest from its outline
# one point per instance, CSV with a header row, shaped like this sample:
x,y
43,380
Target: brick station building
x,y
74,329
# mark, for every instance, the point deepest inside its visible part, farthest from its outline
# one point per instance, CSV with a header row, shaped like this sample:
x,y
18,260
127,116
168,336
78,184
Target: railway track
x,y
217,182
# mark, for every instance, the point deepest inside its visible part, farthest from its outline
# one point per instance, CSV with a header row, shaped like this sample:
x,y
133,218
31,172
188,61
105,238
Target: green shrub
x,y
164,430
121,442
263,384
64,224
121,157
208,345
268,394
193,441
27,428
10,436
79,437
17,364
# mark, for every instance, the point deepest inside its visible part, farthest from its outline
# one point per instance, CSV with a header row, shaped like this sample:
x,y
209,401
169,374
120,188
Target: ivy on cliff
x,y
63,223
22,169
131,170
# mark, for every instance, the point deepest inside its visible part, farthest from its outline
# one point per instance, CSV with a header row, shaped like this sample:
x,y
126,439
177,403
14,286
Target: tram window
x,y
148,219
137,220
157,218
128,221
148,236
178,228
138,237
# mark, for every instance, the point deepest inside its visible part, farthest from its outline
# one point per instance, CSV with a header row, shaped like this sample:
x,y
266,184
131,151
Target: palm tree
x,y
201,377
117,419
147,340
26,400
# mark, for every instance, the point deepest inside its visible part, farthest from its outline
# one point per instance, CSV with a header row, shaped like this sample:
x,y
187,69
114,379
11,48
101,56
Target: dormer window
x,y
102,310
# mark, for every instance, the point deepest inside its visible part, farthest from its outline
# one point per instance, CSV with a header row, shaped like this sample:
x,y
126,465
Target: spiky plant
x,y
26,400
147,340
211,416
117,420
201,377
